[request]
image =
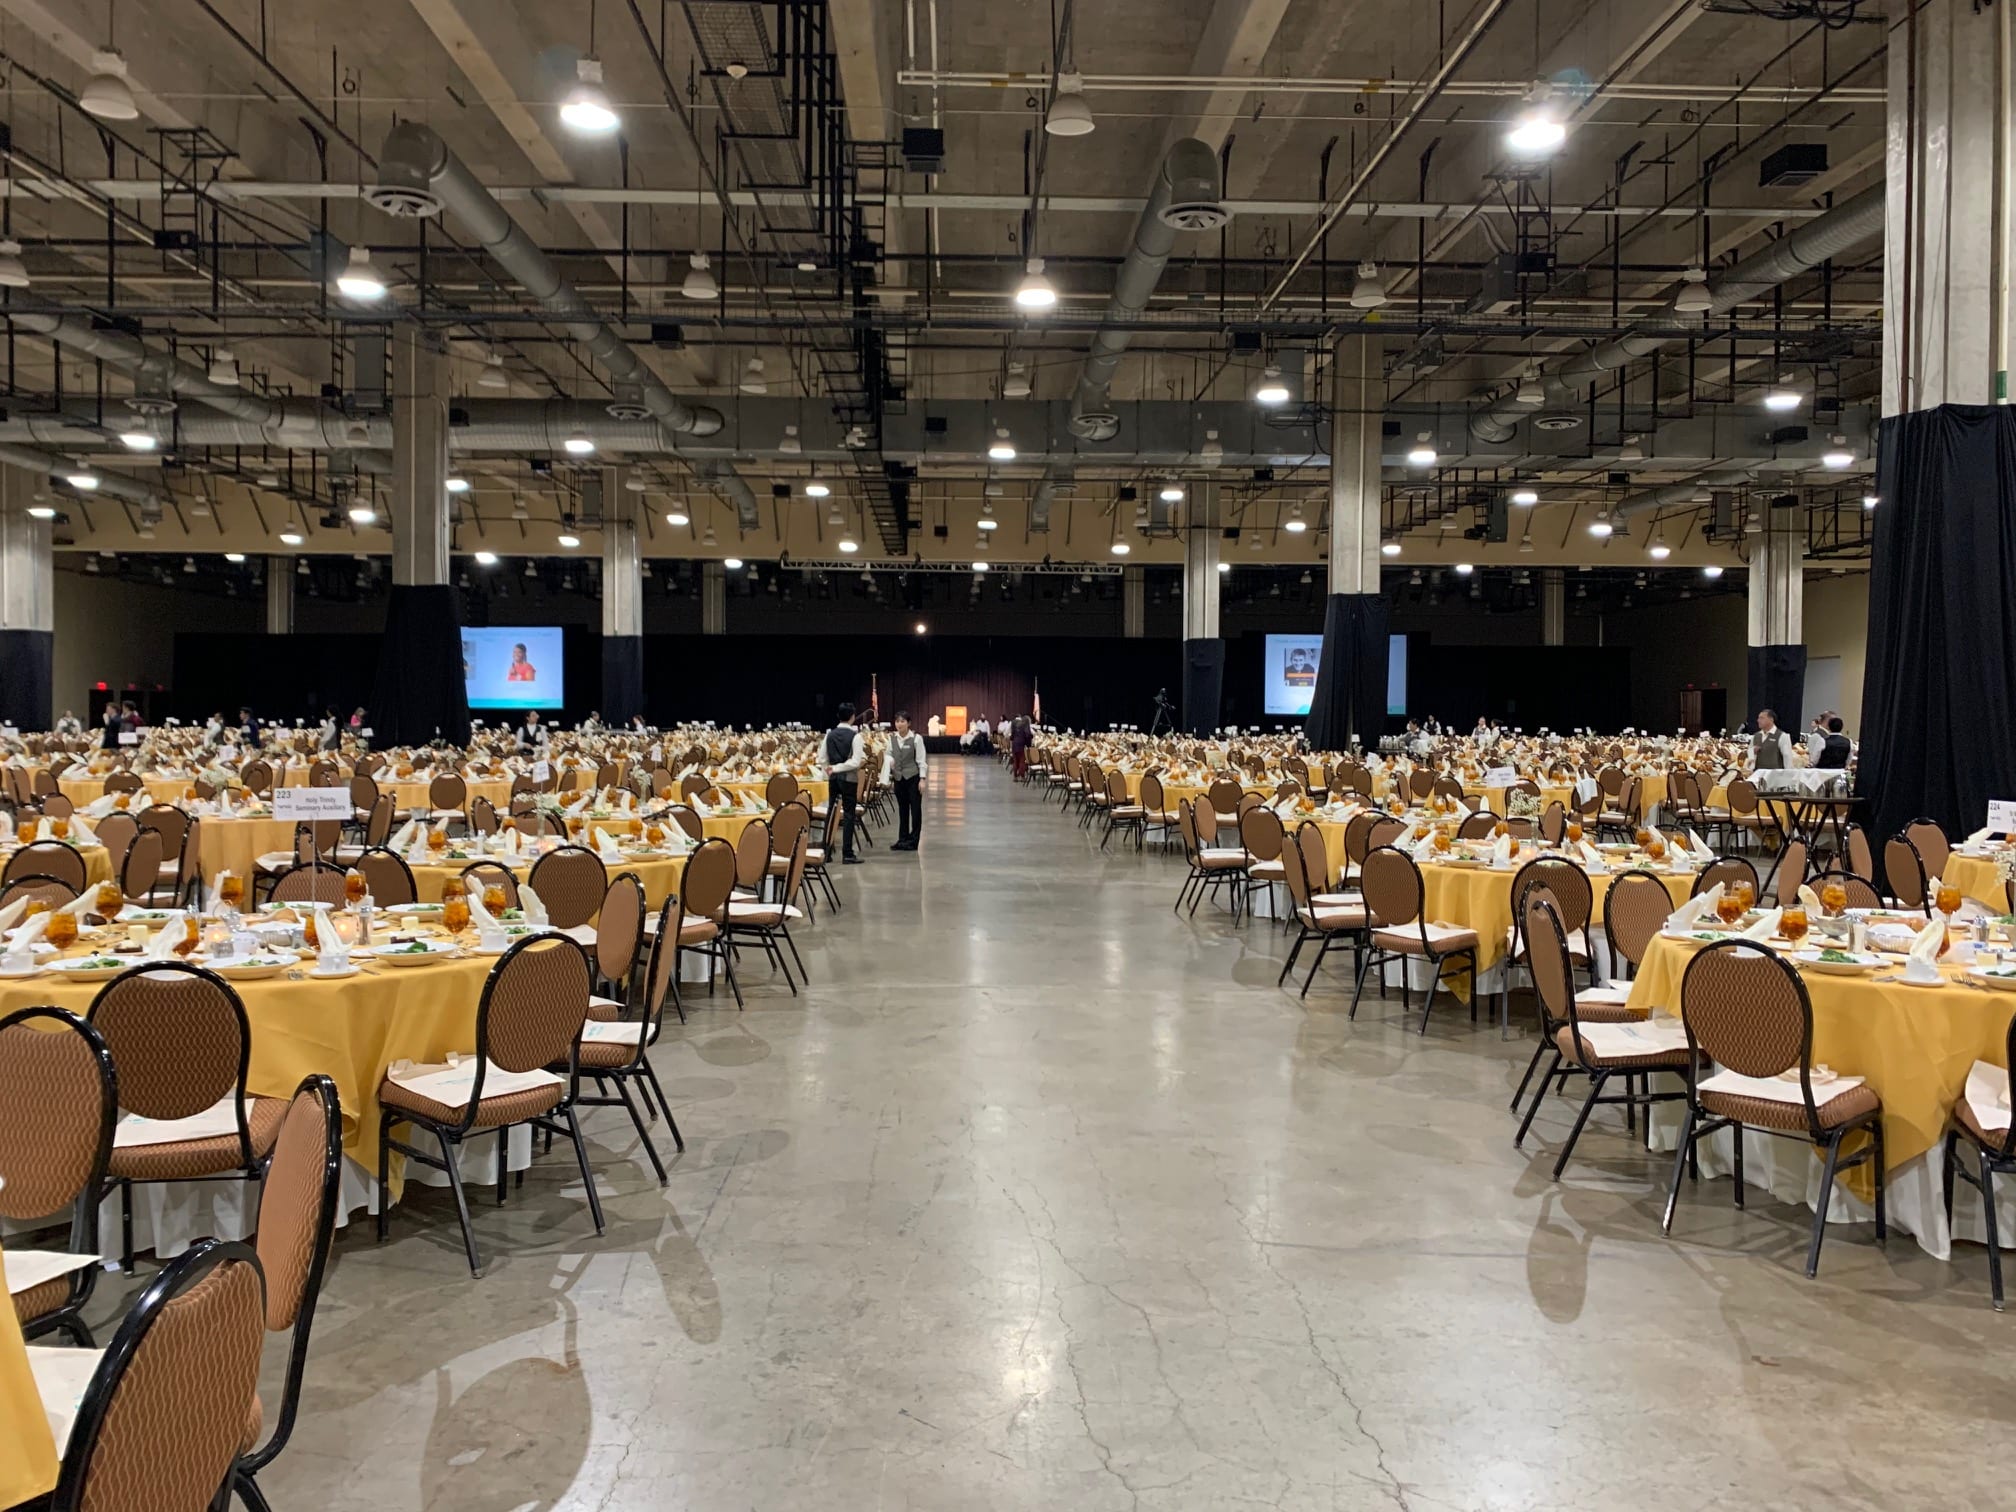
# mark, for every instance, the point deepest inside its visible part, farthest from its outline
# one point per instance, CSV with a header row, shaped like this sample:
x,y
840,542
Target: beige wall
x,y
1699,640
1837,624
124,633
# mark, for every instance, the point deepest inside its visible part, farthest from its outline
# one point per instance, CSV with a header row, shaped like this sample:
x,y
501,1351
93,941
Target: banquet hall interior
x,y
1122,754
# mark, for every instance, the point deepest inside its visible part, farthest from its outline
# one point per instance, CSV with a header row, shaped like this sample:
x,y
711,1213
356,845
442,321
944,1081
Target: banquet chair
x,y
1395,900
1994,1152
124,782
324,773
1925,834
140,868
1745,818
482,816
447,791
1356,779
378,827
752,857
297,1219
530,1017
257,777
1263,837
614,1046
170,821
1287,787
57,806
689,821
160,1423
1904,870
1385,829
1610,783
59,1101
792,819
1420,784
1635,908
51,892
181,1043
1123,813
1224,794
317,840
1305,865
1478,826
1728,871
1747,1010
1157,816
1622,816
387,878
488,874
1561,1027
704,893
47,858
1861,891
1448,788
571,881
780,789
1861,858
1574,909
1357,840
363,798
310,882
1211,865
692,786
769,923
619,932
817,873
1791,873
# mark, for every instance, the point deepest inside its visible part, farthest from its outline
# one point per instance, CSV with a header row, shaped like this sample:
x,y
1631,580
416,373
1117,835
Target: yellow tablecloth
x,y
1977,878
27,1451
237,844
414,793
1480,898
1913,1045
83,790
659,874
97,862
811,787
1497,798
352,1029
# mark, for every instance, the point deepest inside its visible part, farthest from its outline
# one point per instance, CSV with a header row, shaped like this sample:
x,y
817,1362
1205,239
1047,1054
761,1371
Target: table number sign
x,y
1500,776
542,771
2002,815
311,803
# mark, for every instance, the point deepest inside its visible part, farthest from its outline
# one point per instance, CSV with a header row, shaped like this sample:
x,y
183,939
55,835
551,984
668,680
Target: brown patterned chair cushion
x,y
1762,1113
188,1158
604,1010
602,1055
1610,1013
698,931
255,1424
1330,920
1585,1055
1970,1124
1407,940
491,1113
40,1301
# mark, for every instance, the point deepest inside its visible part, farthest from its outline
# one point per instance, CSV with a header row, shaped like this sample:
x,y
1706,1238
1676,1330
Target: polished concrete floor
x,y
1043,1197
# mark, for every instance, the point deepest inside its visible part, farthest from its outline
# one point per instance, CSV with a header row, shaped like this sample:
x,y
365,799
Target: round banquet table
x,y
659,874
1912,1045
28,1469
1977,878
812,788
1496,798
97,861
414,792
235,845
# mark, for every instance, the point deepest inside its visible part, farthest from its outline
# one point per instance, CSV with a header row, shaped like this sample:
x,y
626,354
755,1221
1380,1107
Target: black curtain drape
x,y
1938,723
27,678
421,693
1778,683
1351,682
622,678
1203,684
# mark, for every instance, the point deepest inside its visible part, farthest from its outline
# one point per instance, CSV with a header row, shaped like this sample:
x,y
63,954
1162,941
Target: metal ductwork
x,y
419,176
1188,196
722,478
1678,495
1841,230
110,485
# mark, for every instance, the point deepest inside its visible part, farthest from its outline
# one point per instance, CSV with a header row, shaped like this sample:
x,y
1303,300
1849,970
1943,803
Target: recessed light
x,y
234,556
1391,549
457,485
138,440
486,559
733,564
1464,569
568,542
677,518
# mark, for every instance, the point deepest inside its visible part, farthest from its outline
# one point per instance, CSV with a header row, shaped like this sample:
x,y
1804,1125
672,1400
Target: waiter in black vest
x,y
843,755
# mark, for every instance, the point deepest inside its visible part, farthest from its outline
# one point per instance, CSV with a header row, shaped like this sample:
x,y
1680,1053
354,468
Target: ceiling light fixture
x,y
848,545
1212,452
567,541
1525,497
816,490
138,440
1120,548
700,282
234,556
1016,384
1367,291
922,628
1531,393
83,479
224,368
988,522
1035,292
1423,454
1464,569
1003,449
1070,114
1693,298
586,108
1538,132
578,444
1272,388
1390,548
292,536
41,512
359,279
13,271
363,514
492,376
1838,456
979,566
1659,549
753,381
1224,566
732,564
678,518
1711,572
1780,399
456,485
1870,501
790,445
1600,527
1171,493
106,94
486,559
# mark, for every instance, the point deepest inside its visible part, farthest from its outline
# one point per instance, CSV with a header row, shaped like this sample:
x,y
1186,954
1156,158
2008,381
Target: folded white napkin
x,y
1424,848
1765,927
1592,858
1809,900
677,842
1979,837
1501,851
166,937
1699,847
1987,1096
1690,914
416,852
1654,1036
452,1085
11,914
628,803
580,805
404,837
478,914
534,907
1584,788
98,808
330,951
510,844
1925,945
1773,1089
605,846
82,833
84,903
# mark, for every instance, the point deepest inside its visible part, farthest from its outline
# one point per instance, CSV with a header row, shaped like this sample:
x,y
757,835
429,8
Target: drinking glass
x,y
309,936
231,891
62,930
493,898
455,912
110,900
1575,831
1746,895
1729,907
1792,924
1641,836
1833,897
1947,899
437,839
59,829
575,824
354,887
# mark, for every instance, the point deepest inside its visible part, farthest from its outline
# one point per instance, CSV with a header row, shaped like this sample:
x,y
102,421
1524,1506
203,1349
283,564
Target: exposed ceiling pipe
x,y
1188,196
110,485
722,478
1841,230
418,176
1677,495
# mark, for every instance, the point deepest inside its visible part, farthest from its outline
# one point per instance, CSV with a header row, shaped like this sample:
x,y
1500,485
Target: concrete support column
x,y
713,599
1947,254
1133,601
27,606
421,695
1203,647
622,603
1349,702
279,595
1777,630
1553,606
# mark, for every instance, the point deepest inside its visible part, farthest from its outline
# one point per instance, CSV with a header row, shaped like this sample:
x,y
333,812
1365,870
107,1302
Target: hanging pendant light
x,y
13,271
359,280
1035,292
492,376
1016,384
1069,114
106,94
224,368
1368,292
1532,393
700,283
586,108
1693,297
753,381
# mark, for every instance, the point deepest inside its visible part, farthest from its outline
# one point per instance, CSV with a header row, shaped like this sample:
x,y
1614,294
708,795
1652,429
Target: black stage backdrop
x,y
1351,679
1778,683
1939,697
1203,685
27,677
622,678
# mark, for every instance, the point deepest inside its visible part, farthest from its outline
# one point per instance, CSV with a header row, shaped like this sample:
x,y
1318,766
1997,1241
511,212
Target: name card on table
x,y
2002,815
1500,777
542,771
365,733
129,737
311,803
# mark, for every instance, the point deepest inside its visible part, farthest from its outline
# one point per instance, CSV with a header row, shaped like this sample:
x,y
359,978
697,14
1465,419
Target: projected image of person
x,y
521,669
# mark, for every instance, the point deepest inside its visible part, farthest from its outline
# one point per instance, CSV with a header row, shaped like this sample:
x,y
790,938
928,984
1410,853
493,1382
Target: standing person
x,y
330,736
1770,747
248,729
357,721
68,724
532,735
1836,748
1020,736
903,767
844,752
109,726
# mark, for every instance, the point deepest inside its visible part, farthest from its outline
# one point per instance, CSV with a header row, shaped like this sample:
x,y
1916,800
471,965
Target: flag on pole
x,y
1035,701
874,699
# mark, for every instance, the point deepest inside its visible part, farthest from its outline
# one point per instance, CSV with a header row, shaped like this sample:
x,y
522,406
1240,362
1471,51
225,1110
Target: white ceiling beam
x,y
1234,45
